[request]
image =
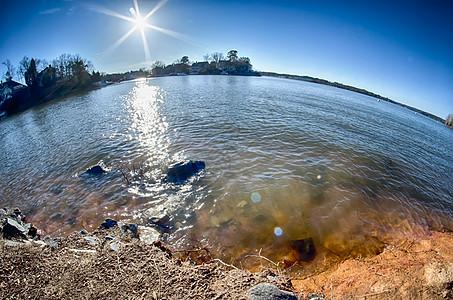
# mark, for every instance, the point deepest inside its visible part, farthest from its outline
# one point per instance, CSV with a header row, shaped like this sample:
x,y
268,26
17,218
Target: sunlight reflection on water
x,y
285,161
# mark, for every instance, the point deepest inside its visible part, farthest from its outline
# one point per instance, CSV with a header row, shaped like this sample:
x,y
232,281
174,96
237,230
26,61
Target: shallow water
x,y
285,160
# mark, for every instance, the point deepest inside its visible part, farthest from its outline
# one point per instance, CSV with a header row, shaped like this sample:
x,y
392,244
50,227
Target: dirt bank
x,y
111,263
423,269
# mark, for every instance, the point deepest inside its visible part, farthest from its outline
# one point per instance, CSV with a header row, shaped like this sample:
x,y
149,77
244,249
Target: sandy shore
x,y
113,263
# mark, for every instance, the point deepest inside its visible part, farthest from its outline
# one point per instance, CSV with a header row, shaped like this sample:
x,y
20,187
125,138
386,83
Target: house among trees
x,y
198,67
10,88
215,64
67,73
70,73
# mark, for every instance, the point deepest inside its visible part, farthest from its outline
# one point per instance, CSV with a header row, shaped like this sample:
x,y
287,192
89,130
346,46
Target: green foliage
x,y
232,55
214,63
31,73
185,60
95,76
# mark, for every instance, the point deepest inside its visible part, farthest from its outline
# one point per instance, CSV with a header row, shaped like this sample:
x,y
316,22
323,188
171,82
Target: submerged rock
x,y
129,228
184,170
305,247
163,225
108,223
148,235
267,291
95,170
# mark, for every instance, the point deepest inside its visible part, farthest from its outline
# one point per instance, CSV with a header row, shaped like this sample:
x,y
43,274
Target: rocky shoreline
x,y
119,260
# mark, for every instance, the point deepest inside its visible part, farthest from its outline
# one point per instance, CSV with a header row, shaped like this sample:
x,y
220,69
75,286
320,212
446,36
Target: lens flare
x,y
278,231
256,197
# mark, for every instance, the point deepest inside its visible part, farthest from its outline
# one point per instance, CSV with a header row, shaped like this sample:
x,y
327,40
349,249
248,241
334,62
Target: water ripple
x,y
310,160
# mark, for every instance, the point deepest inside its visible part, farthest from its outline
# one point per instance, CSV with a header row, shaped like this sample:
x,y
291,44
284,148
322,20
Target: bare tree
x,y
41,64
207,57
217,57
449,121
24,64
10,70
158,64
157,68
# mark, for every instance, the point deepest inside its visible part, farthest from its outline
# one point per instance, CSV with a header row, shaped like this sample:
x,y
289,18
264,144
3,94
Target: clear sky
x,y
399,49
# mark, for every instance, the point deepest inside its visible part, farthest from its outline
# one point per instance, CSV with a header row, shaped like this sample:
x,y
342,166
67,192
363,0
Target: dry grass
x,y
135,271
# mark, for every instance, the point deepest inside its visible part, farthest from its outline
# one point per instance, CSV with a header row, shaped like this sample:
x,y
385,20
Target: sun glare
x,y
140,24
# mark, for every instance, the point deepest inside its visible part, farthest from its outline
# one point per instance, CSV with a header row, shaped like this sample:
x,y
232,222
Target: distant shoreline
x,y
351,88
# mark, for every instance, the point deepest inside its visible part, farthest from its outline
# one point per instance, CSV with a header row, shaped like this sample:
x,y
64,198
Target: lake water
x,y
285,160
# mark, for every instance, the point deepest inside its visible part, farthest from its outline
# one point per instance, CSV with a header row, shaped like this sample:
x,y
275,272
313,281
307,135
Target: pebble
x,y
148,234
267,291
115,245
52,242
91,240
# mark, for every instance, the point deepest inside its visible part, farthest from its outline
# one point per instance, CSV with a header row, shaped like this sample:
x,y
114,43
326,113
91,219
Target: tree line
x,y
67,68
45,81
214,63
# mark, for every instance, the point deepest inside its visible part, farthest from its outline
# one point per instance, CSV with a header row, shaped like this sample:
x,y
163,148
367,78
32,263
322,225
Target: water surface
x,y
286,160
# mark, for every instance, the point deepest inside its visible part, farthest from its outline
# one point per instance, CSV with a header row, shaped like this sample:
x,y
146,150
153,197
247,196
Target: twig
x,y
160,279
263,257
224,263
372,294
127,180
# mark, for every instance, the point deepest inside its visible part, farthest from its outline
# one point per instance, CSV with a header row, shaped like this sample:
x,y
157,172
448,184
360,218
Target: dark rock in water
x,y
125,228
305,247
13,228
96,170
267,291
108,223
183,170
162,225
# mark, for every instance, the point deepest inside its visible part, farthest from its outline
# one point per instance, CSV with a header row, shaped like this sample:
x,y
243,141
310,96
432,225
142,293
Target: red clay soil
x,y
420,270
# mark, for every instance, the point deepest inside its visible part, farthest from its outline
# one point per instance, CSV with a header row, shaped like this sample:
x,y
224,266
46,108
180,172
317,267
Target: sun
x,y
140,24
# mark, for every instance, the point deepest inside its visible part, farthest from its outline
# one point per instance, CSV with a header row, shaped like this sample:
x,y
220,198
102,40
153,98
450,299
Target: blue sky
x,y
399,49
